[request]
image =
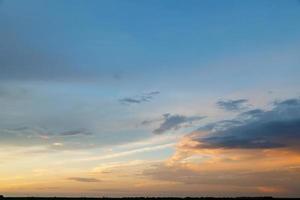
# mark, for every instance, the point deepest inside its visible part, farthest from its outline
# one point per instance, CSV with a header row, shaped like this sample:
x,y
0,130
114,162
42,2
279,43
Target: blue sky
x,y
96,86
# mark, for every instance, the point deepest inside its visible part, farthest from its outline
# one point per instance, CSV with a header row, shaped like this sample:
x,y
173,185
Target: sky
x,y
150,98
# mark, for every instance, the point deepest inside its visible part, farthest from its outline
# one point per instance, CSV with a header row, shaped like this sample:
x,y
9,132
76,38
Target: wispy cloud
x,y
76,132
129,152
232,105
83,179
173,122
146,97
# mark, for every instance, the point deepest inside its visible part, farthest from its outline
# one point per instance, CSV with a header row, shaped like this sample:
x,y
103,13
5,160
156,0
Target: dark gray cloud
x,y
258,129
129,100
173,122
146,97
232,105
85,180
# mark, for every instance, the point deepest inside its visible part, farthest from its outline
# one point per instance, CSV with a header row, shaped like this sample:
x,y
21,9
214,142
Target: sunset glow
x,y
150,98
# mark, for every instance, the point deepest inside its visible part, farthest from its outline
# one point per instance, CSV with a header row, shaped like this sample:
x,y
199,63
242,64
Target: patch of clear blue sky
x,y
174,46
151,37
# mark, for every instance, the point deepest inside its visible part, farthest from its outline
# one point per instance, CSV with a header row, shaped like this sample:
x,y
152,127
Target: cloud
x,y
131,100
148,122
252,113
173,122
85,180
232,105
76,132
220,125
256,129
288,102
129,152
146,97
24,136
50,139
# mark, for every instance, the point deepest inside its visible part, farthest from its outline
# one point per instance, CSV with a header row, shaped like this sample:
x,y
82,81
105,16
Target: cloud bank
x,y
257,129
